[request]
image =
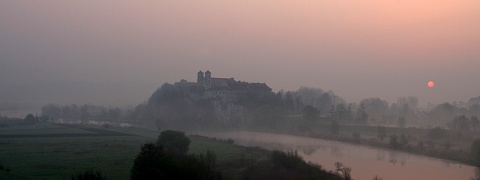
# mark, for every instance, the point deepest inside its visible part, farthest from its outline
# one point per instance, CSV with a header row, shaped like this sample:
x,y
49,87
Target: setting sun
x,y
430,84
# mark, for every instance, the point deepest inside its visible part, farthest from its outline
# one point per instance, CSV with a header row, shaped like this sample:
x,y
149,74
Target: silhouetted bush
x,y
287,159
89,175
476,150
156,162
437,133
174,142
381,132
149,162
293,161
30,119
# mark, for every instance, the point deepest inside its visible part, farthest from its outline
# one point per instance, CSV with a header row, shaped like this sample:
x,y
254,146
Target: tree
x,y
381,132
84,112
447,145
30,119
476,150
394,141
289,104
403,140
335,127
460,123
443,112
401,122
310,113
475,122
357,137
362,116
114,114
51,110
343,113
153,162
375,107
148,162
437,133
174,142
343,171
397,142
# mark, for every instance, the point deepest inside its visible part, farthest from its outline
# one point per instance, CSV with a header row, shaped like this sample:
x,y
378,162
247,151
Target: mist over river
x,y
365,161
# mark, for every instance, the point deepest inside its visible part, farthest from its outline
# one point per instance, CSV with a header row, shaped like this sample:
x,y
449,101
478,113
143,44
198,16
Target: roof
x,y
259,87
236,85
220,81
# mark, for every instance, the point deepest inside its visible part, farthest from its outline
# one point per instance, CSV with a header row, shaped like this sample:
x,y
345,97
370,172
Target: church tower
x,y
208,77
200,77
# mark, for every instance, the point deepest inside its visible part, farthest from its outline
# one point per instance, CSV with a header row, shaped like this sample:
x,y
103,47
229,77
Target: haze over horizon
x,y
119,52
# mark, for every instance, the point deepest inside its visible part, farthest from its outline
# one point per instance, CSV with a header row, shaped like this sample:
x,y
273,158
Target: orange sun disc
x,y
430,84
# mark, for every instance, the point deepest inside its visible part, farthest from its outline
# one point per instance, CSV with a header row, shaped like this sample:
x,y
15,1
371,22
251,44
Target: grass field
x,y
49,151
52,151
40,129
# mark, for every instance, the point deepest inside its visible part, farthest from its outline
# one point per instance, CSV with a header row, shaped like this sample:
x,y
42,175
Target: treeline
x,y
456,115
90,112
403,113
28,120
173,107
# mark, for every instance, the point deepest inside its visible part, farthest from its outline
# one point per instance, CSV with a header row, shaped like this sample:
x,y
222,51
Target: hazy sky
x,y
119,52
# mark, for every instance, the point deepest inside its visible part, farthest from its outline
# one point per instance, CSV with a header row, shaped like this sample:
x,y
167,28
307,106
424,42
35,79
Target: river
x,y
365,161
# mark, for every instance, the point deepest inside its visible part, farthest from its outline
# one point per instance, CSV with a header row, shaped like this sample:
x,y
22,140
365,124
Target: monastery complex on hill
x,y
226,89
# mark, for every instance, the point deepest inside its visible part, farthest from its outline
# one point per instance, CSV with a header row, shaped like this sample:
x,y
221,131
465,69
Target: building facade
x,y
226,89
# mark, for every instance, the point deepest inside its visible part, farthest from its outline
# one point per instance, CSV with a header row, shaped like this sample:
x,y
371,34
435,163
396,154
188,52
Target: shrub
x,y
89,175
476,150
437,133
335,127
289,160
157,162
174,142
356,137
148,162
293,161
381,132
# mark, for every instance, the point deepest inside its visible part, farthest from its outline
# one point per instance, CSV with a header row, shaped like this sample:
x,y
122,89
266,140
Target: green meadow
x,y
53,151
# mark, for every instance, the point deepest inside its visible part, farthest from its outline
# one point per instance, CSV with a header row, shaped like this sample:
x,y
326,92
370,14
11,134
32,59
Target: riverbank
x,y
365,161
452,155
452,149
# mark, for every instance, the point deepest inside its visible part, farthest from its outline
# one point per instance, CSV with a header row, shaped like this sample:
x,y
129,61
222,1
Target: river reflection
x,y
365,162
